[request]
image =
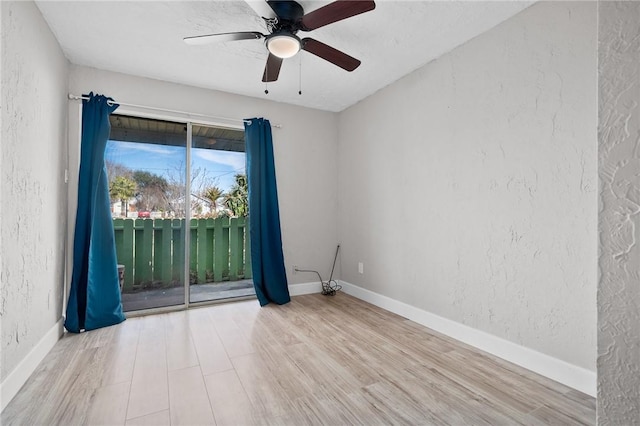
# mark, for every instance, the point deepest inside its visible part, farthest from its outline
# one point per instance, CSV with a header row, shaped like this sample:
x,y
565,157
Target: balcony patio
x,y
148,299
151,256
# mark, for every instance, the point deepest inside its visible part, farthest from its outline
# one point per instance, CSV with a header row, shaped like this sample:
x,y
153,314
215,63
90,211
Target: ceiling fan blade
x,y
334,12
262,9
272,69
330,54
218,38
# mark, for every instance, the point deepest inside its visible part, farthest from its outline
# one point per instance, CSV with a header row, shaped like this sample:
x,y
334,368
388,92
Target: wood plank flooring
x,y
316,361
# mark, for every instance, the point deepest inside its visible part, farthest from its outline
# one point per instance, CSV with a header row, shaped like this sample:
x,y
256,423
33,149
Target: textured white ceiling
x,y
144,38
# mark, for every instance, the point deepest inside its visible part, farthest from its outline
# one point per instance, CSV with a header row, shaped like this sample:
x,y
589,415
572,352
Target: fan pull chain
x,y
266,79
300,77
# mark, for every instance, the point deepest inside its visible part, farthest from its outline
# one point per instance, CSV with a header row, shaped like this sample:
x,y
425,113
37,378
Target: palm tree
x,y
236,199
212,194
122,188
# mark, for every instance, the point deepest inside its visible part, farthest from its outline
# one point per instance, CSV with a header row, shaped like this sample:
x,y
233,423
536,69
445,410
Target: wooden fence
x,y
152,251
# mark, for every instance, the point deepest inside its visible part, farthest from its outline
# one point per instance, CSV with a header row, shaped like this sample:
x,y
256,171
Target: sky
x,y
166,160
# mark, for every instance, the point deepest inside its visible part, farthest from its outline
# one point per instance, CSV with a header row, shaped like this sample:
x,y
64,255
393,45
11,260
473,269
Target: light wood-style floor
x,y
318,360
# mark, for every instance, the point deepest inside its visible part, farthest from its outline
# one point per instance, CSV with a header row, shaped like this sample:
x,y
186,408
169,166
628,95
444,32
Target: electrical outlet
x,y
294,269
360,268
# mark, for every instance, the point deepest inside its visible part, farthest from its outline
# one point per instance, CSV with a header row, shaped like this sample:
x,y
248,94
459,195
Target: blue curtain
x,y
269,273
94,298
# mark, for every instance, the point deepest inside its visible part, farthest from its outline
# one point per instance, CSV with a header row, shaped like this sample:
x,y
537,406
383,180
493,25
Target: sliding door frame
x,y
187,218
189,122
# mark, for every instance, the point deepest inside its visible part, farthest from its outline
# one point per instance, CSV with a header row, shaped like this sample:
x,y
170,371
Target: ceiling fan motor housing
x,y
289,14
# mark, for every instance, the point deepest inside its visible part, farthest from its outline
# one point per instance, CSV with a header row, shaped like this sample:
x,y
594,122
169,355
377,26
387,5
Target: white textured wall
x,y
33,208
305,150
619,219
469,188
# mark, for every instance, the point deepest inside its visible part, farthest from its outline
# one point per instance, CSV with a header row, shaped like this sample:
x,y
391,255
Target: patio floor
x,y
175,296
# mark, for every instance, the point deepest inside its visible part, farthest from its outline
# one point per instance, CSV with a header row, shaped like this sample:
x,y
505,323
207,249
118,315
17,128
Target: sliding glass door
x,y
146,165
179,207
219,255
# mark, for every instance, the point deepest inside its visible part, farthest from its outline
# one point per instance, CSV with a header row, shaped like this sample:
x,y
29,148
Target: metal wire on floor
x,y
330,287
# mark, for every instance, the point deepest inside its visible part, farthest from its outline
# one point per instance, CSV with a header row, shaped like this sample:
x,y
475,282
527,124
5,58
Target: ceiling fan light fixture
x,y
283,45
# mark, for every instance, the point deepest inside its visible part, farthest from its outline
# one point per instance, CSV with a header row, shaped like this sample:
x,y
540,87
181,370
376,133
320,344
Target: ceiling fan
x,y
284,20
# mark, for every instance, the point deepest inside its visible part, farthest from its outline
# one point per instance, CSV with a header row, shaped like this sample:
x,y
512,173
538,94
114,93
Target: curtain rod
x,y
77,98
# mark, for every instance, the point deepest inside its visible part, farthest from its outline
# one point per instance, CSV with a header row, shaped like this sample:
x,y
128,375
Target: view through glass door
x,y
157,186
219,254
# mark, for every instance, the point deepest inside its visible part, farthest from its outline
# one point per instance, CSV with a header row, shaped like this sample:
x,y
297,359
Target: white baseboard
x,y
568,374
305,288
18,377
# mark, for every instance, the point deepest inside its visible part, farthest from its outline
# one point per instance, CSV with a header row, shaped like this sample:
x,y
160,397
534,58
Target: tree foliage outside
x,y
176,177
212,194
116,169
166,194
152,191
237,198
123,189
